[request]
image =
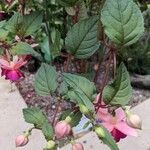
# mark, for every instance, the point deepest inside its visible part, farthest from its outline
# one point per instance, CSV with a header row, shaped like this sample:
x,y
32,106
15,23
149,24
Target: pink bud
x,y
21,140
134,121
77,146
62,129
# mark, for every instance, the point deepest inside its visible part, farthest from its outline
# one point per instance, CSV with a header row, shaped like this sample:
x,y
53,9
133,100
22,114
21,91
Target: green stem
x,y
48,26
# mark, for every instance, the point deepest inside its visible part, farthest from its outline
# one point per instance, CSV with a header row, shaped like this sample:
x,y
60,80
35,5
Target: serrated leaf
x,y
123,21
120,91
24,25
45,80
80,89
47,130
3,34
22,48
31,23
108,139
14,24
2,23
34,116
81,40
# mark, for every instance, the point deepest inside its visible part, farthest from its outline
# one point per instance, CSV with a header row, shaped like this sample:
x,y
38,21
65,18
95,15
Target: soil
x,y
47,104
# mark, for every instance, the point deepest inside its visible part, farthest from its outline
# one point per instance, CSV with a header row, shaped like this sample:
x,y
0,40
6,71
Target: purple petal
x,y
117,135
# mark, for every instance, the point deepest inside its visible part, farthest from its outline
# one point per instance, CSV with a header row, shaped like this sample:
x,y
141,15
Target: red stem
x,y
99,103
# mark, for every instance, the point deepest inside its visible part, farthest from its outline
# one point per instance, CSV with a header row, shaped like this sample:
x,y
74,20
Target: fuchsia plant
x,y
72,37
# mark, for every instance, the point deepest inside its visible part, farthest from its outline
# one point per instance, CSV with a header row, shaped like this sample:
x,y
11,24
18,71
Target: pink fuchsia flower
x,y
62,129
116,124
11,69
21,140
77,146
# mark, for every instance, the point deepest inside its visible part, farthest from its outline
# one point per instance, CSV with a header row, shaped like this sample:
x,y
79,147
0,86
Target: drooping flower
x,y
116,124
21,140
11,69
62,129
77,146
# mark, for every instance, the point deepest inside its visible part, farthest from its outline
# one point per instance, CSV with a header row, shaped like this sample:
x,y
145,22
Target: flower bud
x,y
50,145
84,109
62,129
99,131
77,146
21,140
134,121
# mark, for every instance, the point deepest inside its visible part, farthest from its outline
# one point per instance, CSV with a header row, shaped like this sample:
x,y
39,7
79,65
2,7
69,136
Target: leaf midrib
x,y
78,87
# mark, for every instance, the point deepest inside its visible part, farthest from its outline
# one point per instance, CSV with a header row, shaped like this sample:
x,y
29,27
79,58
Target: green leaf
x,y
81,40
2,23
122,21
22,48
45,49
1,51
75,117
67,3
120,91
107,138
52,51
34,116
24,25
80,89
31,23
14,24
47,130
45,80
56,45
3,34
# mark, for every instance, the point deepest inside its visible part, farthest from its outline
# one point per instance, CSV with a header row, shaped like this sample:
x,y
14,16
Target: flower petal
x,y
4,64
120,115
13,75
108,126
117,135
124,128
103,114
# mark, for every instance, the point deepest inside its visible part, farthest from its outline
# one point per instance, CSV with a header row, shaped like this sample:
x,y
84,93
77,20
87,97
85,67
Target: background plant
x,y
70,34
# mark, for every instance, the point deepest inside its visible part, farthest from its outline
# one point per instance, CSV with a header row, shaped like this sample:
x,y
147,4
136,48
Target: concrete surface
x,y
12,124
